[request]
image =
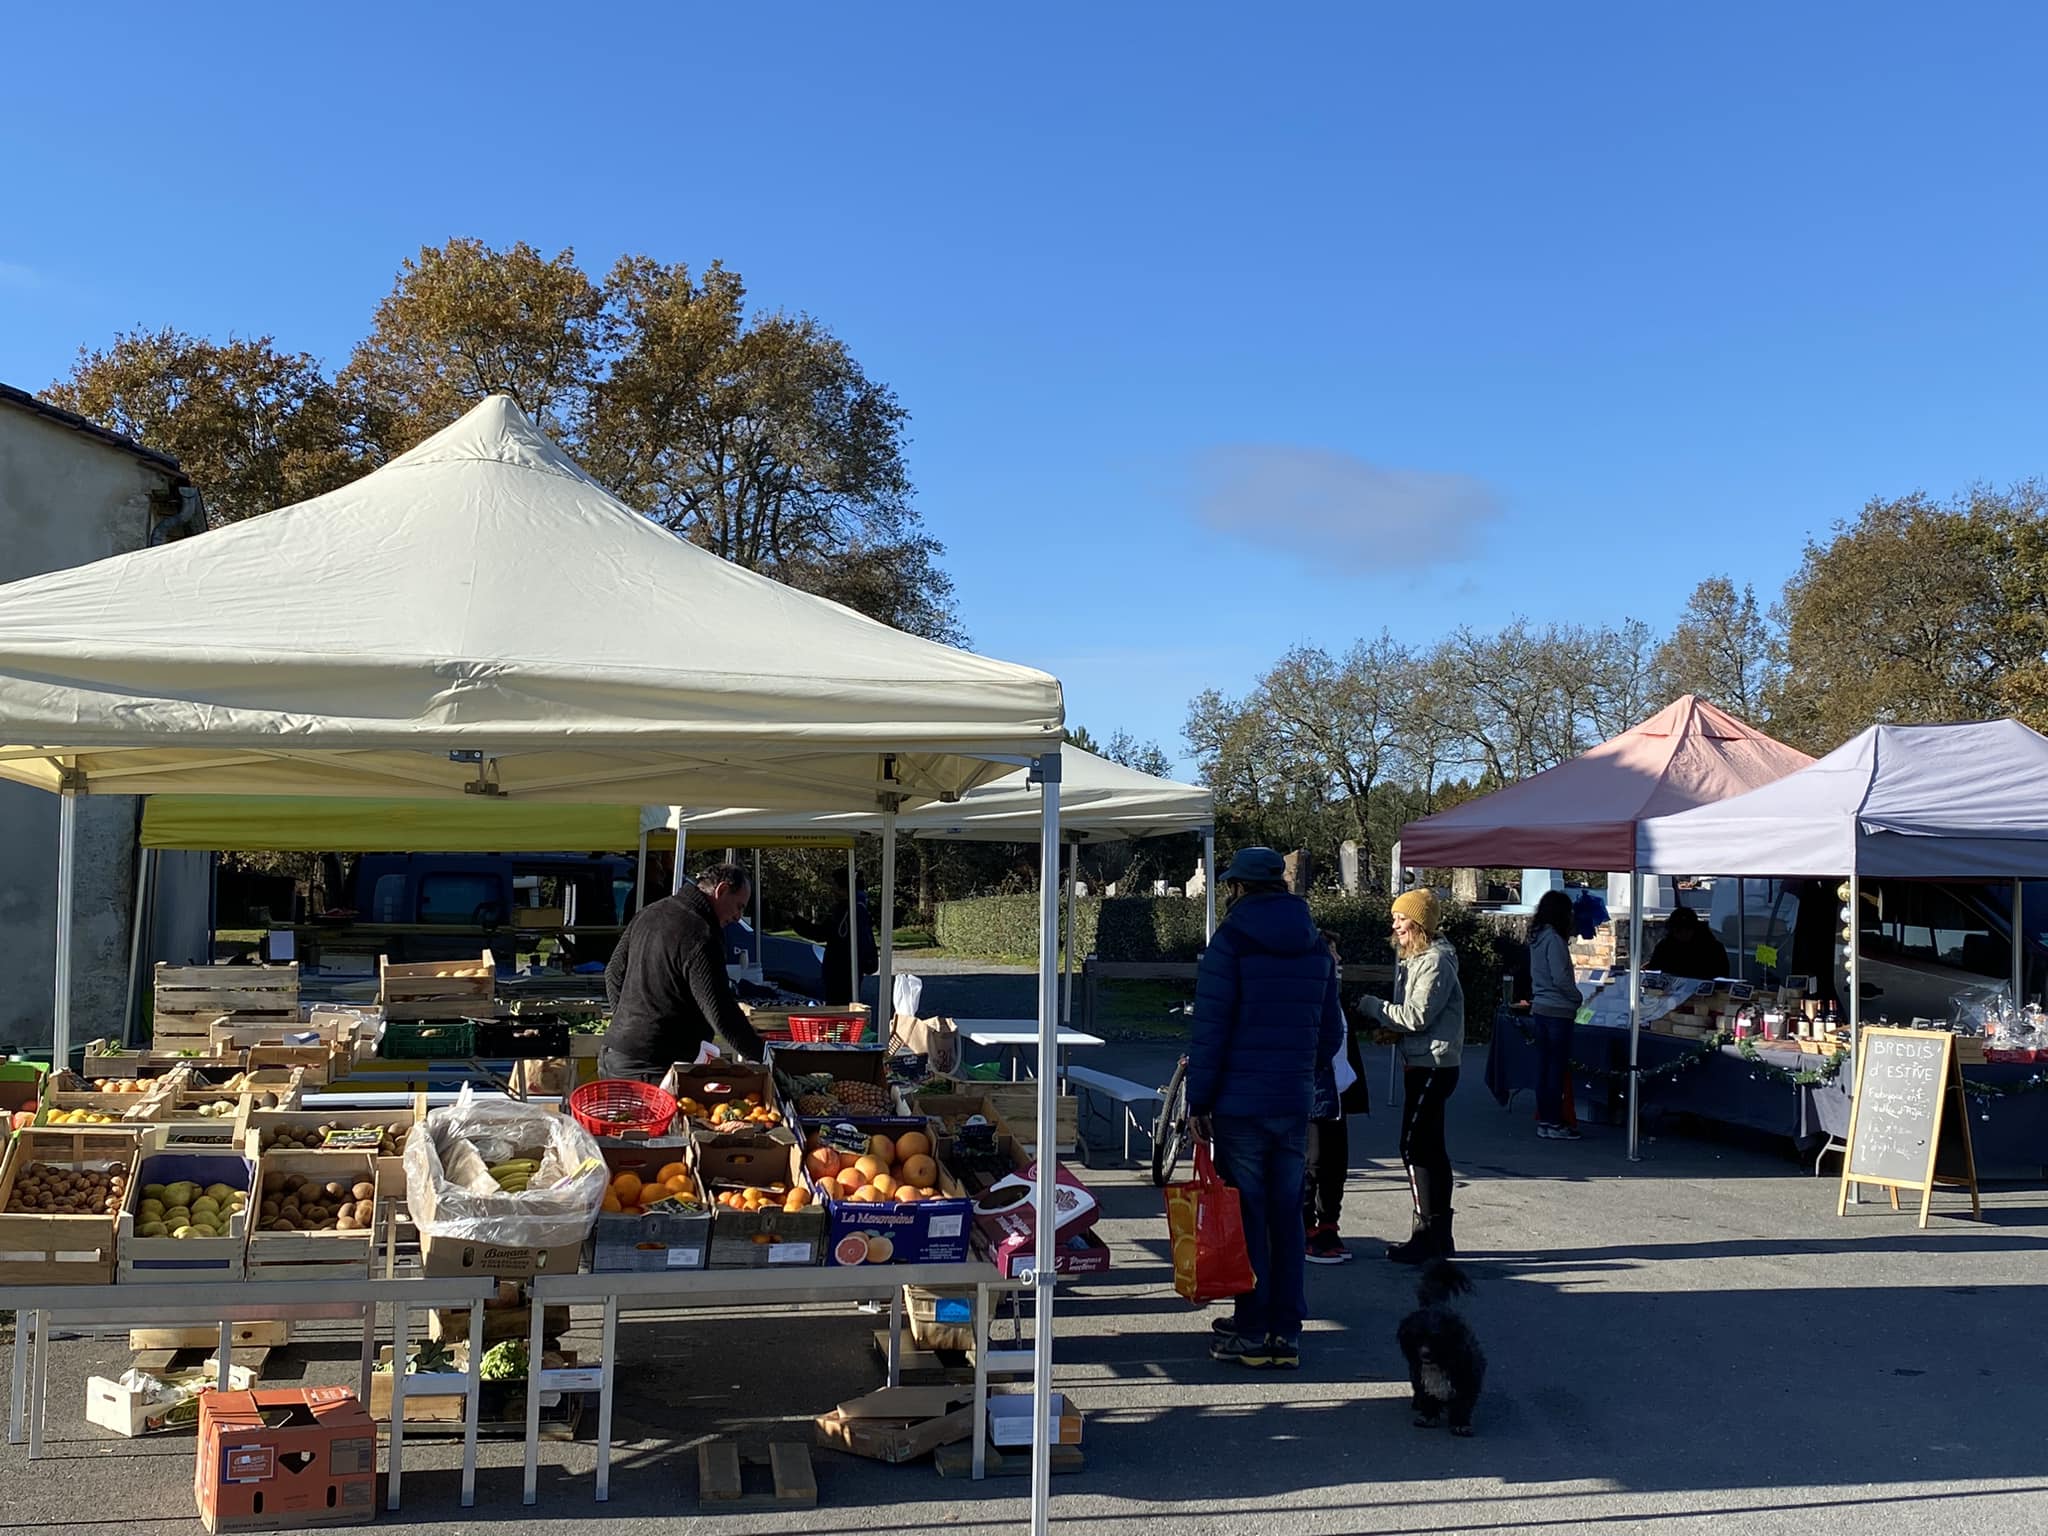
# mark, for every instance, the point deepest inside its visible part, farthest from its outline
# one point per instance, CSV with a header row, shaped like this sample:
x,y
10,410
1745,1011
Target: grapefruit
x,y
823,1162
885,1186
880,1249
913,1144
882,1147
920,1170
872,1166
851,1249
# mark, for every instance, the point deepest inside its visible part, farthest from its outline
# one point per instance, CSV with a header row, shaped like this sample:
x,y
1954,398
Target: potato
x,y
365,1210
364,1191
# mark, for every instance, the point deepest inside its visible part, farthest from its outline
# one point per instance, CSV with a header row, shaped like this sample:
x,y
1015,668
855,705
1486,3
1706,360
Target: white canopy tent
x,y
1100,801
1914,802
478,617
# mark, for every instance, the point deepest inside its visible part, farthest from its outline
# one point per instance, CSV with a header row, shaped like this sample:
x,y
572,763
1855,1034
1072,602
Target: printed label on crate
x,y
947,1226
789,1253
686,1258
357,1138
248,1463
842,1137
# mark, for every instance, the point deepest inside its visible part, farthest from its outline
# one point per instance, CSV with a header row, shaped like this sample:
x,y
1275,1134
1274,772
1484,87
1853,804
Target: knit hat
x,y
1421,909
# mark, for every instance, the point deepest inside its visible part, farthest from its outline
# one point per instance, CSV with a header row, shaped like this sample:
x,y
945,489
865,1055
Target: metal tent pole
x,y
1854,939
145,871
885,923
639,897
2019,944
1742,929
1394,871
852,924
1209,883
67,850
678,880
1044,1259
760,944
1073,938
1635,1014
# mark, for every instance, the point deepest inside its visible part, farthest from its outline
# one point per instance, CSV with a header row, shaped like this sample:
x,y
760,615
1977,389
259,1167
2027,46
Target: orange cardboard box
x,y
282,1460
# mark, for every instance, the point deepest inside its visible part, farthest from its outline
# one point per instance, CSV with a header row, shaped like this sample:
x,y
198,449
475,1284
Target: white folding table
x,y
1014,1036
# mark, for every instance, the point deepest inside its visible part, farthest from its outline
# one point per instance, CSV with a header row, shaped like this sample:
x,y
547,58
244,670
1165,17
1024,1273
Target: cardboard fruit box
x,y
283,1460
898,1424
867,1064
669,1236
42,1247
772,1236
702,1093
890,1231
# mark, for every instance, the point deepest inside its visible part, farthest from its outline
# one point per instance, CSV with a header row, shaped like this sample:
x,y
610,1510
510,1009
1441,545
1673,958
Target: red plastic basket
x,y
614,1105
813,1029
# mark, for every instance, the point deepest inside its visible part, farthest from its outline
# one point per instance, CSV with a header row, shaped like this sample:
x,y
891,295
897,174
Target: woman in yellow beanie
x,y
1430,1019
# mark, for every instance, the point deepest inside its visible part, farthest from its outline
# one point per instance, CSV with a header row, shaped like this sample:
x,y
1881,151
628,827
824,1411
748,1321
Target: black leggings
x,y
1426,1090
1329,1164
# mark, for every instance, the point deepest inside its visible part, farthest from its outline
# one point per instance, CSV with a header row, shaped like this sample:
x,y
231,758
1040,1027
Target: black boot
x,y
1421,1245
1440,1234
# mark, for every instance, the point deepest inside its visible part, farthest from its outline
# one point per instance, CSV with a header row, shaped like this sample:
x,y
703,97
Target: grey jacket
x,y
1431,1013
1553,985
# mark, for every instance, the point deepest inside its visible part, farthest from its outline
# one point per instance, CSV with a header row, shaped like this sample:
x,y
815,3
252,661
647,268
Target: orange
x,y
611,1203
823,1163
913,1144
920,1171
671,1172
796,1200
764,1238
885,1186
679,1184
882,1147
627,1187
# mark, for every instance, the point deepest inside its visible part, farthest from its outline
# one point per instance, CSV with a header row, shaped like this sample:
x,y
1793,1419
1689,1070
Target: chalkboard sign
x,y
1908,1127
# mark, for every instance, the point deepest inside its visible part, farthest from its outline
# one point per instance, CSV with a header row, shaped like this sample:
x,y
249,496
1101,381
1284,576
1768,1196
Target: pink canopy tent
x,y
1583,814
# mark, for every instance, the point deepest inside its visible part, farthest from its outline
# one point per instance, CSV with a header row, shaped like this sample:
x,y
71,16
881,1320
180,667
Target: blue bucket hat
x,y
1256,864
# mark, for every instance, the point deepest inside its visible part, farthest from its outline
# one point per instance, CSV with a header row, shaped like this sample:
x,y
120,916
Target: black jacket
x,y
1693,952
836,983
668,989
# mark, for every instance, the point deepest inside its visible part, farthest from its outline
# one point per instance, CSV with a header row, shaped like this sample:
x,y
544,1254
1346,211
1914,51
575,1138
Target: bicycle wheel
x,y
1170,1130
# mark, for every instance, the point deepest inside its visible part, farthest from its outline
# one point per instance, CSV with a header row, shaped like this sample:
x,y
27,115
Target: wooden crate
x,y
42,1248
438,989
191,999
129,1110
178,1123
390,1166
1017,1103
333,1255
175,1261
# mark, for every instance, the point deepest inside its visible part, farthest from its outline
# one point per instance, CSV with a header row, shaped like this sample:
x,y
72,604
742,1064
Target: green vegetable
x,y
432,1358
504,1361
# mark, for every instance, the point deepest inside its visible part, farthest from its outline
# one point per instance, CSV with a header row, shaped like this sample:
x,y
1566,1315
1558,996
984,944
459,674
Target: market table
x,y
1724,1085
1014,1036
213,1301
659,1289
2008,1127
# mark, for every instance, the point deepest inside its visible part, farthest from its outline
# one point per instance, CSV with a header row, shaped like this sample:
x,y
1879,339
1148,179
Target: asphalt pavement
x,y
1693,1339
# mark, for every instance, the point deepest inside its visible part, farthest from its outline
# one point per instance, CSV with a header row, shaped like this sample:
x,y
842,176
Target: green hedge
x,y
1003,926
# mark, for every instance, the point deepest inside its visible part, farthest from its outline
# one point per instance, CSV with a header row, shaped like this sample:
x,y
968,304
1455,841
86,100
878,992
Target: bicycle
x,y
1171,1136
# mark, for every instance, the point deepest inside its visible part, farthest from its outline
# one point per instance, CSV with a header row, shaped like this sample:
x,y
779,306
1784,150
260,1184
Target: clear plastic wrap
x,y
453,1172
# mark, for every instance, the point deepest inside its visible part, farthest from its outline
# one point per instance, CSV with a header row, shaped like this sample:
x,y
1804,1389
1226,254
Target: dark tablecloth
x,y
2008,1135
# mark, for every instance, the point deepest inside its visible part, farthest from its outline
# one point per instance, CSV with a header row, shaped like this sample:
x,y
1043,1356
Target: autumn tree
x,y
1918,611
1723,649
255,427
464,322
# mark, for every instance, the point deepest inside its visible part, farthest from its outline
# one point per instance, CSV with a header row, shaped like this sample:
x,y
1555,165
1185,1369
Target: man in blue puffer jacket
x,y
1266,1013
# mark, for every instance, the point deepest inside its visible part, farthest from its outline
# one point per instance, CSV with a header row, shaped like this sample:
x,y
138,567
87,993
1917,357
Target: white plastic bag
x,y
449,1187
909,992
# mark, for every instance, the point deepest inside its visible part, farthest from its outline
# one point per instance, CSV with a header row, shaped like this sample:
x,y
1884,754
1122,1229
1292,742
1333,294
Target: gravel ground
x,y
1693,1338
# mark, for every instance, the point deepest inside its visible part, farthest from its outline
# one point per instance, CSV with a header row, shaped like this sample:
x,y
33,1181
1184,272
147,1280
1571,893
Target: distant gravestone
x,y
1908,1125
1465,886
1347,866
1301,871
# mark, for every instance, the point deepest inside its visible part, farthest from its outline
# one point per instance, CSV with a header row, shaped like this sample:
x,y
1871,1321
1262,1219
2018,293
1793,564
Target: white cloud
x,y
1337,509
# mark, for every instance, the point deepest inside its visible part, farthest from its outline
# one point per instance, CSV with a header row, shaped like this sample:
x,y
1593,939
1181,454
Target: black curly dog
x,y
1445,1364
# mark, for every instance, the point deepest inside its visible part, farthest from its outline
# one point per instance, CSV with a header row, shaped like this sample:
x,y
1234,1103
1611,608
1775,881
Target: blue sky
x,y
1221,327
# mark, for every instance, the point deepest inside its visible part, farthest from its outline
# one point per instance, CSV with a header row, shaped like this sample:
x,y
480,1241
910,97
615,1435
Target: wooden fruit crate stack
x,y
190,999
439,989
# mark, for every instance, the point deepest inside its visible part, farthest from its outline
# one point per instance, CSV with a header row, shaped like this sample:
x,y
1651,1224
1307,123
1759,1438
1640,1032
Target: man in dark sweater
x,y
667,981
1266,1018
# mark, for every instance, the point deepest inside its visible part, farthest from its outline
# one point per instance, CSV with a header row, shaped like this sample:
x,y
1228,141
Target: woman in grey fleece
x,y
1430,1019
1554,1002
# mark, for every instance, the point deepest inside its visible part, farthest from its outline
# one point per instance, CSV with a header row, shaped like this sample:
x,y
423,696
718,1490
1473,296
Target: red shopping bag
x,y
1210,1261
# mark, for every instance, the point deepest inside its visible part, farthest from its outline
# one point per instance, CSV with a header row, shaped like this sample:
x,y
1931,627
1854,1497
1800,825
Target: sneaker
x,y
1241,1350
1283,1354
1326,1247
1568,1133
1545,1131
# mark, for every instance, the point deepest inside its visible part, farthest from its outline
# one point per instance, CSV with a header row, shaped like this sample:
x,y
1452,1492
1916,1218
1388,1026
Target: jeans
x,y
1426,1090
1553,1065
1264,1160
1329,1164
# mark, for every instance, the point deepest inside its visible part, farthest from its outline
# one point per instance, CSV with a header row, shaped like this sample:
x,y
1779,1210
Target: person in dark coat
x,y
835,933
1689,948
667,982
1329,1139
1266,1018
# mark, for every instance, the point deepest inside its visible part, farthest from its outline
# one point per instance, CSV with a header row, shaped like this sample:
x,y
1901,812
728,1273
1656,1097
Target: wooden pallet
x,y
267,1335
206,1357
958,1461
721,1484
